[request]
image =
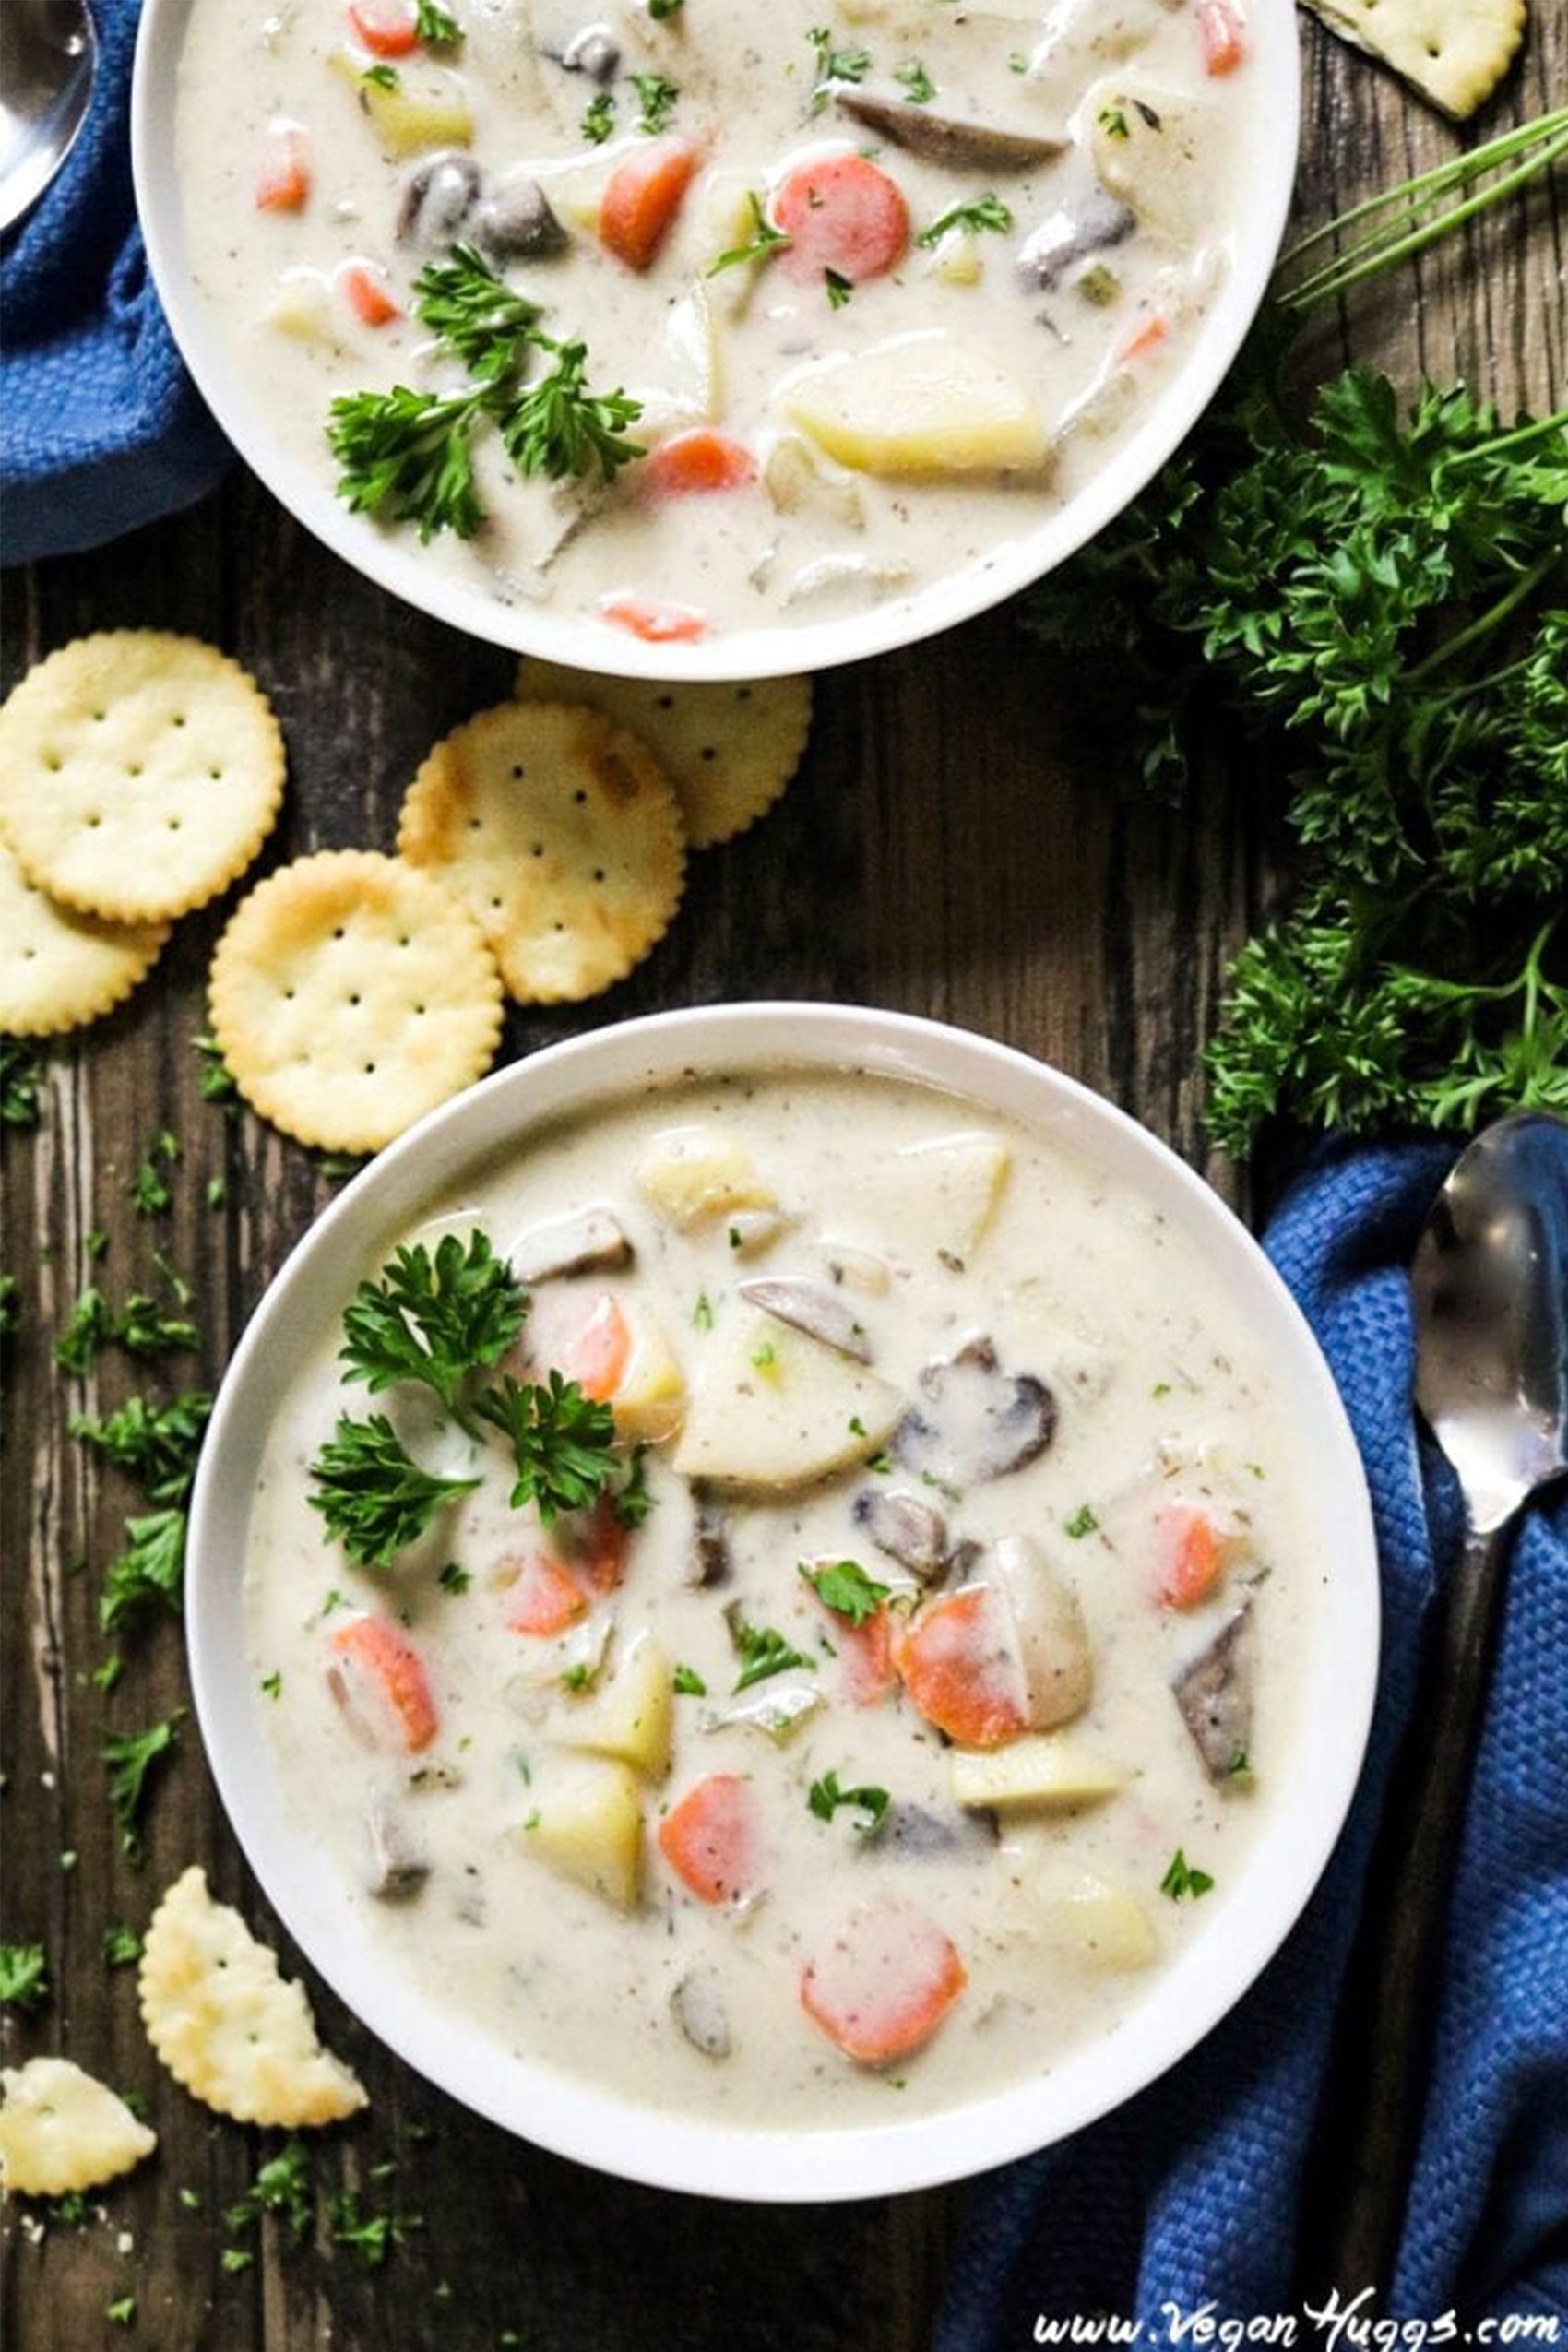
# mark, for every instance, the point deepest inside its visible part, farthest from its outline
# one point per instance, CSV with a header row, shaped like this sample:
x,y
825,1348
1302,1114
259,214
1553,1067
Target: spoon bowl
x,y
48,68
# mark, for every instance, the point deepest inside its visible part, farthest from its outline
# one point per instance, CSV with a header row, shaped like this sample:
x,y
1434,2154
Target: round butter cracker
x,y
561,832
139,773
728,749
228,2025
58,970
351,994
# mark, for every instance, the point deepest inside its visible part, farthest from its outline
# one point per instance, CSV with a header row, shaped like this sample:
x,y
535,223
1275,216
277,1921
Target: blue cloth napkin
x,y
100,428
1191,2193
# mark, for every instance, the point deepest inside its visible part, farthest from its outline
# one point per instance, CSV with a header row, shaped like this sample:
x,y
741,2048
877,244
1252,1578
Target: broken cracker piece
x,y
226,2022
1454,52
62,2132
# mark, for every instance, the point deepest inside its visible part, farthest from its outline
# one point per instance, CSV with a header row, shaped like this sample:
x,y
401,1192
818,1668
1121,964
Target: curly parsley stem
x,y
1520,593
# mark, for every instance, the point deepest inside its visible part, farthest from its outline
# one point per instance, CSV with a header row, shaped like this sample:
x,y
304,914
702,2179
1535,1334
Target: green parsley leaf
x,y
271,1685
833,65
662,9
121,1946
434,1319
598,118
454,1579
130,1757
757,248
10,1312
825,1796
562,1442
577,1677
151,1568
702,1313
986,211
155,1445
21,1080
436,27
844,1586
122,2313
282,2186
217,1082
370,2235
24,1975
149,1189
656,99
631,1500
688,1684
1112,122
916,83
236,2259
558,427
764,1652
1181,1879
372,1496
382,76
141,1327
1082,1523
838,287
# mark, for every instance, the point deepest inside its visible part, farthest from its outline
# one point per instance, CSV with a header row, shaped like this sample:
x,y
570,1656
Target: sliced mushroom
x,y
911,1833
985,1421
805,1306
1087,225
942,139
1215,1692
588,1239
394,1866
517,224
438,195
709,1559
594,52
698,2005
912,1531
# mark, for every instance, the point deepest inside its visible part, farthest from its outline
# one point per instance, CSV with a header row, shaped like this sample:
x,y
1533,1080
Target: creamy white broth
x,y
1158,1393
1084,337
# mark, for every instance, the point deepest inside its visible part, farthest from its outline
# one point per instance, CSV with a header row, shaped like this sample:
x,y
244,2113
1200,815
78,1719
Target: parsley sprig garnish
x,y
1181,1879
825,1796
373,1495
155,1445
141,1327
986,211
764,241
562,1442
657,97
434,1319
833,65
408,455
764,1652
24,1975
131,1757
844,1586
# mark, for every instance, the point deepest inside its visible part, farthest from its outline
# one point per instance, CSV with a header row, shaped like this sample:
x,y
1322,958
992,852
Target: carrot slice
x,y
283,182
367,295
656,623
885,1983
1194,1555
865,1654
841,214
960,1666
597,1355
388,1666
595,1546
699,460
384,26
642,197
547,1598
1144,339
1221,30
712,1839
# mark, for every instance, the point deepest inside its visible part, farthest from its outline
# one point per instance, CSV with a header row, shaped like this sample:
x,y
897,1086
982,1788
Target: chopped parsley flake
x,y
1181,1879
688,1682
825,1796
1082,1523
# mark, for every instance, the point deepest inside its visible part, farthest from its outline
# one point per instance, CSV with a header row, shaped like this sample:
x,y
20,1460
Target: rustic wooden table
x,y
950,847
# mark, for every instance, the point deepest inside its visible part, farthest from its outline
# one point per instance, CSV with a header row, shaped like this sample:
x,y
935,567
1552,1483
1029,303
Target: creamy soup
x,y
868,292
916,1684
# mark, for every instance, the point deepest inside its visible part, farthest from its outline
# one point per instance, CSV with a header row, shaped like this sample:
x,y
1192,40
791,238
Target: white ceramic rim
x,y
1185,1998
393,561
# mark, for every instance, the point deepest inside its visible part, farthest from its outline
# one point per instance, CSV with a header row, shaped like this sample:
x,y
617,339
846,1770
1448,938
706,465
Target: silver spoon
x,y
1490,1283
48,66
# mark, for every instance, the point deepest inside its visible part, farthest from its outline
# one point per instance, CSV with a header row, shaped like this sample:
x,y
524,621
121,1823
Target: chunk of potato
x,y
1098,1923
803,1412
304,308
1035,1774
919,404
651,1399
1052,1638
588,1826
797,481
694,1177
426,106
961,1179
1146,142
631,1716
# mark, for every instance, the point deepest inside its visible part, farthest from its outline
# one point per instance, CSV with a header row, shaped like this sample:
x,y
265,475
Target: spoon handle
x,y
1387,2021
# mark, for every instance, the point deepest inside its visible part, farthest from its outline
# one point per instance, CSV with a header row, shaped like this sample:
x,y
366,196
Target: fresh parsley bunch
x,y
1378,603
408,455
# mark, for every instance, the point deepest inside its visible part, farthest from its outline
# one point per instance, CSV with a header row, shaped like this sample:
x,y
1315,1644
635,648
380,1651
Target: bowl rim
x,y
392,562
620,2134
